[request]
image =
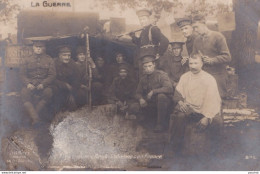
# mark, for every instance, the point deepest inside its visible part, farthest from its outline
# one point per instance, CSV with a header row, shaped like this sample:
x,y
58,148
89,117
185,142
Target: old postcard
x,y
166,85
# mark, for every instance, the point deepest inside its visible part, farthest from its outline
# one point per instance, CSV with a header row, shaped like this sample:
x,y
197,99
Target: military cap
x,y
177,44
198,18
148,58
123,67
143,12
38,43
183,22
81,49
64,49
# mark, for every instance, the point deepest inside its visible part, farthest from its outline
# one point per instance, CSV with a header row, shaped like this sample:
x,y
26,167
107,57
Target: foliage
x,y
8,10
205,7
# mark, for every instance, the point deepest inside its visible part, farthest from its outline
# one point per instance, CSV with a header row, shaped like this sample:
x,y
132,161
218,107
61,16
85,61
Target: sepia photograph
x,y
130,85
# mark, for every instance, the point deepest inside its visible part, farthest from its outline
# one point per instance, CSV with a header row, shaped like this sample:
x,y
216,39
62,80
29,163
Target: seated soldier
x,y
66,82
154,93
100,82
197,113
122,89
114,68
37,74
172,64
83,76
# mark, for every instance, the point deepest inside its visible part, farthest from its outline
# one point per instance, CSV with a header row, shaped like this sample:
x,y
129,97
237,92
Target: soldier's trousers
x,y
159,105
29,95
183,126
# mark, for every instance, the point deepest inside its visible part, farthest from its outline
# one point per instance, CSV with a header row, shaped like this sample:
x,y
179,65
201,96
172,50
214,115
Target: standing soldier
x,y
212,46
37,74
153,93
151,37
185,25
172,64
66,82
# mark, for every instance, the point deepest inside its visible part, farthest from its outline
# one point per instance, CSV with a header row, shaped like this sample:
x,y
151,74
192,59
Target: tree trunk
x,y
244,38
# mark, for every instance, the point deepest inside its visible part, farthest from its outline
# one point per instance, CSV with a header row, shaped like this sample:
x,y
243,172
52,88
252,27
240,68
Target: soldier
x,y
120,60
122,89
37,74
66,82
212,46
100,81
185,25
151,37
82,91
172,64
153,92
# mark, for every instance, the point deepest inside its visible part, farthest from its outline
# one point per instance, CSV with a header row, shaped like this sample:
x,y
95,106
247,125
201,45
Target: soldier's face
x,y
149,67
122,73
187,30
119,58
195,65
199,28
38,49
144,20
100,62
65,57
81,57
176,51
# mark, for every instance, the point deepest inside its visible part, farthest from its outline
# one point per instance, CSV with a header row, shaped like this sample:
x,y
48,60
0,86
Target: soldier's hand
x,y
203,123
183,106
157,56
68,86
149,95
184,60
30,86
132,34
40,87
208,60
143,103
84,87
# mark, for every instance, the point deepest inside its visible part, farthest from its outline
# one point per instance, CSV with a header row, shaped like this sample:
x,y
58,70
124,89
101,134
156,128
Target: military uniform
x,y
214,46
66,74
36,70
122,90
161,86
83,79
189,43
174,68
172,64
157,40
100,84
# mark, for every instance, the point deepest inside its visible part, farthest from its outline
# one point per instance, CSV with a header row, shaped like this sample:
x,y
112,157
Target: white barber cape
x,y
200,91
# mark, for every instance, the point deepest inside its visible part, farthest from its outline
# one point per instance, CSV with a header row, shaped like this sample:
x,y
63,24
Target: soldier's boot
x,y
40,106
32,112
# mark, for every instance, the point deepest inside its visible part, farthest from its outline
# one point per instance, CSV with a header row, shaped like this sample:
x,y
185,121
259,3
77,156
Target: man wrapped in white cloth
x,y
196,119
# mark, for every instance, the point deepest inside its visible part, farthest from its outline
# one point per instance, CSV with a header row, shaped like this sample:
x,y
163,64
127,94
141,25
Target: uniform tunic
x,y
66,74
38,69
157,109
122,89
157,39
173,67
158,81
189,43
213,45
35,70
